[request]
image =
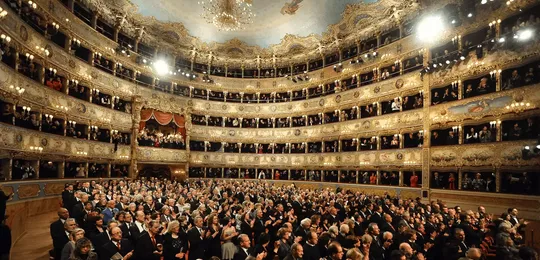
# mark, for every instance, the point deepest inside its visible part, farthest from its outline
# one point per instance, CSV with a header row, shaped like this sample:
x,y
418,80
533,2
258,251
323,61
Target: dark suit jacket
x,y
144,249
196,244
241,254
126,233
311,252
78,213
376,250
60,239
385,226
135,234
100,240
109,249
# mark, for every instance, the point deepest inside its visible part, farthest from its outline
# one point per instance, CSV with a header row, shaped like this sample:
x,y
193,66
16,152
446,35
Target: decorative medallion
x,y
273,159
44,142
338,98
518,98
443,112
399,83
190,103
81,108
256,158
356,94
224,107
297,132
306,104
289,107
321,102
338,158
94,74
206,157
207,106
377,89
23,32
72,64
241,108
399,156
273,108
18,138
257,108
232,132
366,124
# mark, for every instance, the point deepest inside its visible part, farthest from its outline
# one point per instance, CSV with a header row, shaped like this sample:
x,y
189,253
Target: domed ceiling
x,y
296,29
274,19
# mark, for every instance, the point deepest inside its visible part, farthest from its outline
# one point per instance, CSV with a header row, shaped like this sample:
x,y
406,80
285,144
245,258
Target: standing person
x,y
174,246
150,244
5,237
213,235
3,201
228,249
196,240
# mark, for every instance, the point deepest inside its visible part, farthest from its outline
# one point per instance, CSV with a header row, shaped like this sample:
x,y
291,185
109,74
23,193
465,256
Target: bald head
x,y
63,213
406,249
474,253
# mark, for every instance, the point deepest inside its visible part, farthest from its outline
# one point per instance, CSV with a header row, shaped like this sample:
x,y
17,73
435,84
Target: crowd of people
x,y
220,219
155,138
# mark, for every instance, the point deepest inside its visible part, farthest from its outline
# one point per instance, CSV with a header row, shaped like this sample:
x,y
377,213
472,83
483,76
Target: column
x,y
401,30
498,136
94,19
379,108
35,164
378,177
378,39
289,174
498,176
401,141
71,5
204,173
108,170
498,80
401,177
339,176
378,138
460,134
340,148
61,169
460,177
136,106
86,169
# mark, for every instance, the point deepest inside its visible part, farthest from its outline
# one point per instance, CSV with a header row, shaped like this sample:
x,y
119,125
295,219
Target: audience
x,y
257,220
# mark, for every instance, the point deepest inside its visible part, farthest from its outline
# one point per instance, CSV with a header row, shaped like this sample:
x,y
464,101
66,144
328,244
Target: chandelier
x,y
227,15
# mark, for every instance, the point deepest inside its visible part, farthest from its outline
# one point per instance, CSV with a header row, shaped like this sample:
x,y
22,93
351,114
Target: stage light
x,y
430,28
525,34
161,67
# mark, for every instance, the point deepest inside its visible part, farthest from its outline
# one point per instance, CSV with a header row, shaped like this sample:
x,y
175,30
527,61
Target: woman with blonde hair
x,y
355,254
174,245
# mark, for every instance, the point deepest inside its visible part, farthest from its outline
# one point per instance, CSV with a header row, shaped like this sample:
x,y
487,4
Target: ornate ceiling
x,y
285,28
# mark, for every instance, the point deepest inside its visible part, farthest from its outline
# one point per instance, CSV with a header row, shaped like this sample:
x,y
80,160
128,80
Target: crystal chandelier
x,y
227,15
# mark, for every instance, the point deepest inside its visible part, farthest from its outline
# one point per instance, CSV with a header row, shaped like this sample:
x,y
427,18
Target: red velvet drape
x,y
163,119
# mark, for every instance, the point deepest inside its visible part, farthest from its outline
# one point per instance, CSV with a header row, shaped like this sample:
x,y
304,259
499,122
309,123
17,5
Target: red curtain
x,y
162,118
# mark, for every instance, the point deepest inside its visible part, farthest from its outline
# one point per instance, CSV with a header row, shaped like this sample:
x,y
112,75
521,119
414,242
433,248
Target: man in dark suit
x,y
150,244
376,217
196,240
78,209
303,230
103,238
68,198
244,249
311,250
61,239
138,228
57,227
117,244
456,247
387,224
376,249
260,225
123,204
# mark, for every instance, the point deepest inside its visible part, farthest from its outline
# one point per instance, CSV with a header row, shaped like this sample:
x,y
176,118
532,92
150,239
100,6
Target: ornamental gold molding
x,y
493,104
409,121
46,100
380,91
19,142
161,155
494,154
404,158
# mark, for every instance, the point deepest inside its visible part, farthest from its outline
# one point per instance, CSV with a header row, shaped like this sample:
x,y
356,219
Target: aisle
x,y
37,243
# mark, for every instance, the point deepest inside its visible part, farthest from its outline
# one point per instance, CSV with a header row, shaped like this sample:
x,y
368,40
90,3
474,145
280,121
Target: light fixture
x,y
161,67
525,34
430,28
227,15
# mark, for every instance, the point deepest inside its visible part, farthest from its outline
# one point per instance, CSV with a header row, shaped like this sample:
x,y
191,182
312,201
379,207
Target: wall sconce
x,y
29,57
72,123
123,157
75,43
48,117
82,153
519,106
455,84
114,132
62,107
338,67
74,82
26,109
3,13
409,162
38,149
94,128
492,124
18,89
55,25
32,4
94,91
455,129
53,71
5,39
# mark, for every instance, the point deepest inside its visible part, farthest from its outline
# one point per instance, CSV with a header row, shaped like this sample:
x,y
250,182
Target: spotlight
x,y
447,62
469,15
525,34
483,2
462,58
161,67
430,28
527,147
